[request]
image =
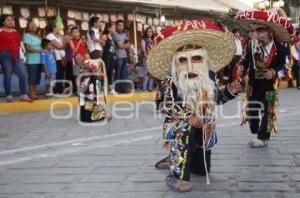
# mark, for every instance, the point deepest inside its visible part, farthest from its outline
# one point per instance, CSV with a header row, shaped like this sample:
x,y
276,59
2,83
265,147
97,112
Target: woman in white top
x,y
94,42
59,45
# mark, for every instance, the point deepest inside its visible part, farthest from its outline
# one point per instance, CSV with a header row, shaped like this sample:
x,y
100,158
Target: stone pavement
x,y
43,157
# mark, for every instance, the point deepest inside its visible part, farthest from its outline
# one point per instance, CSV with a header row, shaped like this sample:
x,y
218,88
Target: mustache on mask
x,y
192,87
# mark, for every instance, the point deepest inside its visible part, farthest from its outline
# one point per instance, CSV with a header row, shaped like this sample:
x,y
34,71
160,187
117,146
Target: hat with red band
x,y
205,34
282,27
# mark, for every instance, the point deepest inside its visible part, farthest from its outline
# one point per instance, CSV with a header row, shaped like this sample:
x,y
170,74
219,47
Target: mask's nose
x,y
190,69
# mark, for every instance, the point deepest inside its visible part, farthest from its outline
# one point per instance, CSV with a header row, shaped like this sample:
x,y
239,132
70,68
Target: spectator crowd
x,y
31,55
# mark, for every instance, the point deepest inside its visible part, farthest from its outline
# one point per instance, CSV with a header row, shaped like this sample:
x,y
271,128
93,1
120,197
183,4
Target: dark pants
x,y
34,74
69,76
296,73
195,158
121,74
110,63
258,125
63,74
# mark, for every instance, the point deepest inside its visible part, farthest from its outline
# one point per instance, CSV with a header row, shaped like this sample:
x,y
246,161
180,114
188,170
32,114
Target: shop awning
x,y
203,5
178,8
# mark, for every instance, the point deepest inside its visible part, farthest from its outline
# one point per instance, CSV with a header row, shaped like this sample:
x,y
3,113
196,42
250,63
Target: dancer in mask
x,y
93,90
264,58
188,53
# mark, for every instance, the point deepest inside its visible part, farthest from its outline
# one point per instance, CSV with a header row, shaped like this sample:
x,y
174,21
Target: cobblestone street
x,y
43,157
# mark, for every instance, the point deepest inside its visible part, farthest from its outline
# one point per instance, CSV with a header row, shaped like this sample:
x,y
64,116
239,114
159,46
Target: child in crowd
x,y
77,48
49,65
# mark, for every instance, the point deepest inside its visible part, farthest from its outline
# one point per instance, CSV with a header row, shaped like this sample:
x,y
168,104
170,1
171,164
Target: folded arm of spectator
x,y
57,45
75,48
103,38
93,38
31,50
123,46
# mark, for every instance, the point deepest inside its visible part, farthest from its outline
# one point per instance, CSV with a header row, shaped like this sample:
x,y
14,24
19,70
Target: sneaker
x,y
9,99
57,96
298,87
36,97
178,185
257,143
113,92
25,98
48,95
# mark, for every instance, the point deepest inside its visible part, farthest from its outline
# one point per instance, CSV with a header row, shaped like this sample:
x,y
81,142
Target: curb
x,y
67,103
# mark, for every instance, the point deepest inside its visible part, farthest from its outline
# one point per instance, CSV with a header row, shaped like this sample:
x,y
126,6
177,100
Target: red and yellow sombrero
x,y
219,45
282,27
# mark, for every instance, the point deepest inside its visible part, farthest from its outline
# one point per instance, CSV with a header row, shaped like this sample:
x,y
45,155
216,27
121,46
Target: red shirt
x,y
10,42
81,49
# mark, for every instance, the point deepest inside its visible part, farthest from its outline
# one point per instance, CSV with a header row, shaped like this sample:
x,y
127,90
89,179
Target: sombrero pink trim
x,y
282,27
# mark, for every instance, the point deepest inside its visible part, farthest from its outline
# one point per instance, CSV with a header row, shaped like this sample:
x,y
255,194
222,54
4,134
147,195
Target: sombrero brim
x,y
280,32
220,48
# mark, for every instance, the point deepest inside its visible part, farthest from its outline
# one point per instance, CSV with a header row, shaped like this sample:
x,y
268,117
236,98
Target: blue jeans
x,y
121,73
9,66
148,83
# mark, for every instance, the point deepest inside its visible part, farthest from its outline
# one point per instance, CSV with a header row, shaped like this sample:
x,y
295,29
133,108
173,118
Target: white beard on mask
x,y
191,91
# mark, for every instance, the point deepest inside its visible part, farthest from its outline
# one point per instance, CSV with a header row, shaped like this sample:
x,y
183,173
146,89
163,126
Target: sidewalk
x,y
67,103
43,157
